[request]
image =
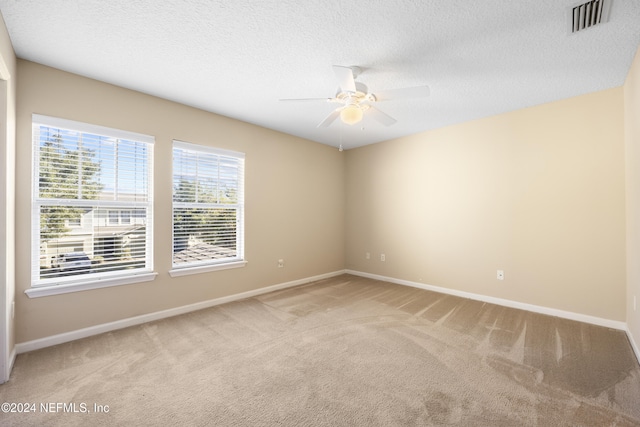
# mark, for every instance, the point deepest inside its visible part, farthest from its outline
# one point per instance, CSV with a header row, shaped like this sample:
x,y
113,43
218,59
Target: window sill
x,y
177,272
44,291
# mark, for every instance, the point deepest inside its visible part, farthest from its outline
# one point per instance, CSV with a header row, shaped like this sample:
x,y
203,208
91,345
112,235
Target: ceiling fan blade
x,y
329,119
345,78
403,93
306,99
381,117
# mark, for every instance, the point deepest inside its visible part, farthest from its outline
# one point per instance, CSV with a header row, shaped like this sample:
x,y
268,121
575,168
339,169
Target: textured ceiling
x,y
238,58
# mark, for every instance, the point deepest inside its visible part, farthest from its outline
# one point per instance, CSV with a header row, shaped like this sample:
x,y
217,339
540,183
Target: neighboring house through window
x,y
208,208
92,204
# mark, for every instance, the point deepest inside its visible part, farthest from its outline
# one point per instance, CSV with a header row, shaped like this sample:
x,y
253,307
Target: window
x,y
75,222
87,181
125,217
208,208
113,217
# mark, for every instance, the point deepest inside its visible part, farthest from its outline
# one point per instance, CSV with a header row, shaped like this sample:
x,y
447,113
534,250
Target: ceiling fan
x,y
356,100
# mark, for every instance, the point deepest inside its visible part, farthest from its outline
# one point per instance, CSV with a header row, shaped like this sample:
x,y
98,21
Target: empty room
x,y
320,213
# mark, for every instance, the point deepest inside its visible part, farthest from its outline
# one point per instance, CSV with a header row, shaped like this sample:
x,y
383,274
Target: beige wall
x,y
294,202
538,193
7,202
632,138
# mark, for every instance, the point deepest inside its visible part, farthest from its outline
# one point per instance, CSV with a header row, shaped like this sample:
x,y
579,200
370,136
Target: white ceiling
x,y
238,58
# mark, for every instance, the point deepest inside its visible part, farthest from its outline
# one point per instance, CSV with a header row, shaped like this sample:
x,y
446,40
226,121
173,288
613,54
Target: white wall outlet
x,y
280,263
500,275
382,257
13,309
367,255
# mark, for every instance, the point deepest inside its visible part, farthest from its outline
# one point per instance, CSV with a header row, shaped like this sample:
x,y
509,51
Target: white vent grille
x,y
589,14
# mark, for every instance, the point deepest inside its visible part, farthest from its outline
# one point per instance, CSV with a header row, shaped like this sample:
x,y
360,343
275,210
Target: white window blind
x,y
208,205
86,176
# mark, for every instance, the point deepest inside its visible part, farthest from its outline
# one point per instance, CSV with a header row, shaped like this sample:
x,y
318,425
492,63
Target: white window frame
x,y
225,263
53,286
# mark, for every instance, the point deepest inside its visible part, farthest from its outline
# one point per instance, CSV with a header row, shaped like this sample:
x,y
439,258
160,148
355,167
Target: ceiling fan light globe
x,y
351,114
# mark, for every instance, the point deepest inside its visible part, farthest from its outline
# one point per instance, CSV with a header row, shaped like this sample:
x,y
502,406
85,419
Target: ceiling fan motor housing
x,y
361,94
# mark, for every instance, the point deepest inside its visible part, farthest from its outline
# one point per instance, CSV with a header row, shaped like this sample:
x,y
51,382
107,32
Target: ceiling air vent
x,y
586,15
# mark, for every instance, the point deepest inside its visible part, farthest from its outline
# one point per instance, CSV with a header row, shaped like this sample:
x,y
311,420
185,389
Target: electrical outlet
x,y
367,255
500,275
382,257
13,309
280,263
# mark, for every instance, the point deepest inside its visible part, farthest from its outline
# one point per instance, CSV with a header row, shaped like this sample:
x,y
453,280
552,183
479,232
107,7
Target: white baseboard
x,y
634,345
503,302
137,320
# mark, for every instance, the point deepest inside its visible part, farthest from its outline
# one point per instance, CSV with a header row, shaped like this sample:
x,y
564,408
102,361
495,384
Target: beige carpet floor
x,y
345,351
